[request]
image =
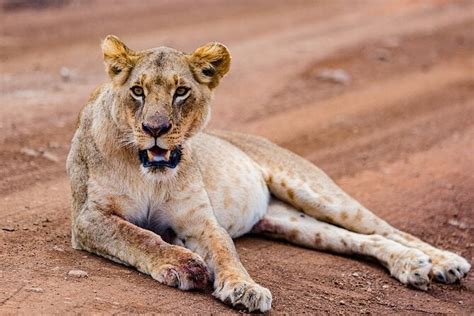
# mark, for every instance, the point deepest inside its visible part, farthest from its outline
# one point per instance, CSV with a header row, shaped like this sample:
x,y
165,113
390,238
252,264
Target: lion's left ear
x,y
118,58
210,63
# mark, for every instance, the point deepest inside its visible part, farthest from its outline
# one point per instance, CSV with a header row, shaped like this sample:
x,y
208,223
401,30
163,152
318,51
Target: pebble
x,y
29,152
36,290
65,73
456,223
334,75
355,274
78,274
50,156
58,249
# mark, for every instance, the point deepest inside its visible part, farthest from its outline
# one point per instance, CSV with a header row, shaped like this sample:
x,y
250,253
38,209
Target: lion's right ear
x,y
119,59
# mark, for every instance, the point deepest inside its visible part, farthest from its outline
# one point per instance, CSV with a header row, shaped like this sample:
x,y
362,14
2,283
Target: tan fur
x,y
177,224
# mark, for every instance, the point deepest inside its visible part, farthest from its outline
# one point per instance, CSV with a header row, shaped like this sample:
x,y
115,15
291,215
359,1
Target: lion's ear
x,y
210,63
119,59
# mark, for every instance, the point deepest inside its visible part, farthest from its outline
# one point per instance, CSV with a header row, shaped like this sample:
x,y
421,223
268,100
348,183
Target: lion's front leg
x,y
112,237
232,283
199,230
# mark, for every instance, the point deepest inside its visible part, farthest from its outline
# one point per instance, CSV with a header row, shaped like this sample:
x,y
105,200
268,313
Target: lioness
x,y
151,190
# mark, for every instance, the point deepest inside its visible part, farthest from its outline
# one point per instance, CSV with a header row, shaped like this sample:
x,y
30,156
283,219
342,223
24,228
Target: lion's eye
x,y
181,91
137,91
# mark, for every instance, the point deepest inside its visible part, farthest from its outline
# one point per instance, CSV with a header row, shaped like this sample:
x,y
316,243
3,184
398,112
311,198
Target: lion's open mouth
x,y
159,157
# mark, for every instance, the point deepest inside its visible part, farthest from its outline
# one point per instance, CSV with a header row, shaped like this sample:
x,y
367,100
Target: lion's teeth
x,y
150,155
157,158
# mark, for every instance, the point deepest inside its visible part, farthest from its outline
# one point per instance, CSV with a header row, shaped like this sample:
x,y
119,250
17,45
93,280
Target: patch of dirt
x,y
398,136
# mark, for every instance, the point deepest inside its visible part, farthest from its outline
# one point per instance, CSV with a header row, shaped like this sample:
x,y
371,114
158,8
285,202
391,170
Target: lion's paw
x,y
448,267
412,267
245,295
187,274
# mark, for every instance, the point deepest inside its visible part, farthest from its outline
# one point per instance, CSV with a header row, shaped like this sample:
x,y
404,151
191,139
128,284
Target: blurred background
x,y
379,94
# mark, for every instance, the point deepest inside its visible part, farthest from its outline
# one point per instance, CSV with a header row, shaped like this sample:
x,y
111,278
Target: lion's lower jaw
x,y
155,174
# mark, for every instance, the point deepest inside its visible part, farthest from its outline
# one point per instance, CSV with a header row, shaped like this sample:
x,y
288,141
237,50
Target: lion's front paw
x,y
448,267
412,267
185,274
244,295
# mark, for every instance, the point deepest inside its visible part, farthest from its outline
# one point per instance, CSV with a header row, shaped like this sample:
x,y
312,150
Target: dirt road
x,y
396,131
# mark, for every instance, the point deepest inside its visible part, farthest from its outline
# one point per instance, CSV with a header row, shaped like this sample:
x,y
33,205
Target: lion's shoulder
x,y
92,99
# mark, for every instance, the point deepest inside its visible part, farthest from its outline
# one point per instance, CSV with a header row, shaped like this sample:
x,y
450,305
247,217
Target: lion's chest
x,y
234,184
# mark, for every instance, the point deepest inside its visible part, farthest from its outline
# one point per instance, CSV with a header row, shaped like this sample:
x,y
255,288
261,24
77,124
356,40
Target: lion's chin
x,y
158,174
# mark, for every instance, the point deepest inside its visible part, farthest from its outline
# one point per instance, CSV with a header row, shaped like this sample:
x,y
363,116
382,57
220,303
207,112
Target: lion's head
x,y
162,97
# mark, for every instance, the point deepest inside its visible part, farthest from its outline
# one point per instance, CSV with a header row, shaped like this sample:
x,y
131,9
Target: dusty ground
x,y
399,137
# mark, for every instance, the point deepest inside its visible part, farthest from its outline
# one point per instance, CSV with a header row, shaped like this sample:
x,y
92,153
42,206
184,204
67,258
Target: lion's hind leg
x,y
282,221
300,183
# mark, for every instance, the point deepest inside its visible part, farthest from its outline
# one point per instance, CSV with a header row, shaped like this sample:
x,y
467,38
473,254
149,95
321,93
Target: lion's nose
x,y
156,127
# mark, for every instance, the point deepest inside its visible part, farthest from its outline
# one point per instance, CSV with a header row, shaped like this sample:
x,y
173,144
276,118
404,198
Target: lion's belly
x,y
235,184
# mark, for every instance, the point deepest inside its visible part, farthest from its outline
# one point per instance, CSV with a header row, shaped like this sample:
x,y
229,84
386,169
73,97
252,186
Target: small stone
x,y
65,73
455,222
355,274
78,274
35,289
29,152
50,156
460,302
9,229
59,249
339,76
385,286
342,302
